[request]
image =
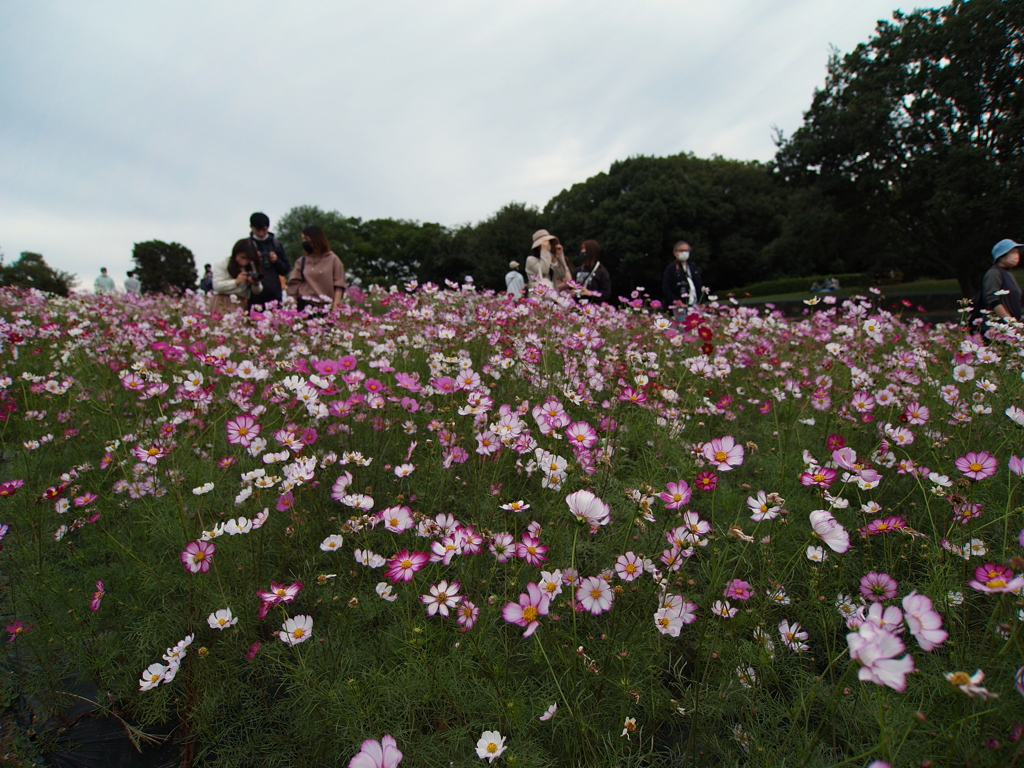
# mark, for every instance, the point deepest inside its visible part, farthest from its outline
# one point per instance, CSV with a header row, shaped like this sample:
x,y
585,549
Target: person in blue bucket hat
x,y
999,290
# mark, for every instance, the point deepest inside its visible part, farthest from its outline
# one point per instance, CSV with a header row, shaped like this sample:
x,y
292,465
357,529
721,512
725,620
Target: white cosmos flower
x,y
332,543
296,630
221,619
205,488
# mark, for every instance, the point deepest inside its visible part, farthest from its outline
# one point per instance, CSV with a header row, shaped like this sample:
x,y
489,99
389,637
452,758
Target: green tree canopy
x,y
727,210
164,267
32,271
916,138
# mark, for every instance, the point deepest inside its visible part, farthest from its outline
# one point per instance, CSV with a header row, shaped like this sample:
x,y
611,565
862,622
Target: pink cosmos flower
x,y
793,636
404,565
587,508
197,556
151,454
819,476
97,596
242,430
16,629
8,487
738,590
466,614
253,650
876,650
629,566
531,550
279,593
883,525
706,481
581,435
397,519
977,465
723,453
991,577
595,594
878,587
1016,465
377,754
923,621
527,612
676,495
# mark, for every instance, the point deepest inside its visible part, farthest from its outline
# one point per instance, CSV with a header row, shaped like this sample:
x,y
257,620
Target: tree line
x,y
909,159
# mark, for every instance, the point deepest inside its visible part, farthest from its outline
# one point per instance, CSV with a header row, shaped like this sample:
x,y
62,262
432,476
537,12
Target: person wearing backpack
x,y
1000,293
274,262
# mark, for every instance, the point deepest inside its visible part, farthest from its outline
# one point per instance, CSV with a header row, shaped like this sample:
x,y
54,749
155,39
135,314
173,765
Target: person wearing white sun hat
x,y
547,264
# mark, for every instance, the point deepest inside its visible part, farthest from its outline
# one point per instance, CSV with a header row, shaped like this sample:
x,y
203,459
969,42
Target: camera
x,y
252,274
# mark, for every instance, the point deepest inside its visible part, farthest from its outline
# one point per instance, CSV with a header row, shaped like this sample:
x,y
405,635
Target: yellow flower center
x,y
595,593
492,747
407,563
530,613
975,467
299,632
721,456
960,678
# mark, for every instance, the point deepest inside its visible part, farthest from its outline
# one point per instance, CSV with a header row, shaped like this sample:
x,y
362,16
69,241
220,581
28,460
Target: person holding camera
x,y
240,275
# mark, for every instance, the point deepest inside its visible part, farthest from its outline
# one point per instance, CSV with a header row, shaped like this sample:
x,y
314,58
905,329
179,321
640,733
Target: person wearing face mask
x,y
547,264
318,277
275,262
681,281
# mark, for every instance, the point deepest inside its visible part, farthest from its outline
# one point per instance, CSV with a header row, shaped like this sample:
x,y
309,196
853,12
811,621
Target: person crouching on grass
x,y
239,275
317,280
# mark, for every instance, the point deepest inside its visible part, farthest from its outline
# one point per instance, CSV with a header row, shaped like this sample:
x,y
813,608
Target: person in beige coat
x,y
317,281
547,264
239,275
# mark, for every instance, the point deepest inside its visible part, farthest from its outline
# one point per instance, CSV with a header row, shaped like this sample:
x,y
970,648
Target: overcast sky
x,y
129,121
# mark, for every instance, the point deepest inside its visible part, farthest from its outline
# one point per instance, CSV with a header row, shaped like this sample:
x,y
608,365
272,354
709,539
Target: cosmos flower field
x,y
448,528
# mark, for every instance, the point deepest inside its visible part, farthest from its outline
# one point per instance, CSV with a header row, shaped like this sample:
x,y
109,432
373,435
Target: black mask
x,y
307,247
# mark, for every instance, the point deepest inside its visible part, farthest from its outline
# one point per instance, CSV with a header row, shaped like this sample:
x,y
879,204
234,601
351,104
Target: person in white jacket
x,y
239,275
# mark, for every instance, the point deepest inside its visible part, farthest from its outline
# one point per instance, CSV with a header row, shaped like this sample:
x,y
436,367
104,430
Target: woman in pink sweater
x,y
318,278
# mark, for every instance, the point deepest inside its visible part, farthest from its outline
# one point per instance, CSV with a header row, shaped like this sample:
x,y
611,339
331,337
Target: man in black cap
x,y
274,260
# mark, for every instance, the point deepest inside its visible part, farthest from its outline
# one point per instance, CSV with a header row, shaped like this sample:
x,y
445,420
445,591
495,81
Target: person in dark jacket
x,y
595,284
275,262
1000,292
681,281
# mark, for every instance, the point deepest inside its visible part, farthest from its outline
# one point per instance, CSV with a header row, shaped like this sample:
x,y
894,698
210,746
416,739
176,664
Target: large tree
x,y
32,271
728,210
164,267
916,138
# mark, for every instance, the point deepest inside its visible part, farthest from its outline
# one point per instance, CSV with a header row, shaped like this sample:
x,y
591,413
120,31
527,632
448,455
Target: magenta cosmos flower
x,y
706,481
724,453
403,565
279,593
198,555
738,590
992,577
977,465
878,587
533,604
377,754
676,494
97,596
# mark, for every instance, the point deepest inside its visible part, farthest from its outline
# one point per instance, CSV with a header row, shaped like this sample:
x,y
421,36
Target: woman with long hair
x,y
547,264
595,284
240,275
317,280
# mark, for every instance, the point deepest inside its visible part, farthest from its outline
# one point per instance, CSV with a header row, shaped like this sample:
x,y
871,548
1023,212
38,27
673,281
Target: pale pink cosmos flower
x,y
377,754
828,529
676,495
581,435
1016,465
197,556
971,684
442,597
760,509
876,650
793,636
738,589
923,621
152,676
587,508
242,430
466,614
724,609
533,603
397,519
723,453
549,712
296,630
595,594
629,566
977,465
